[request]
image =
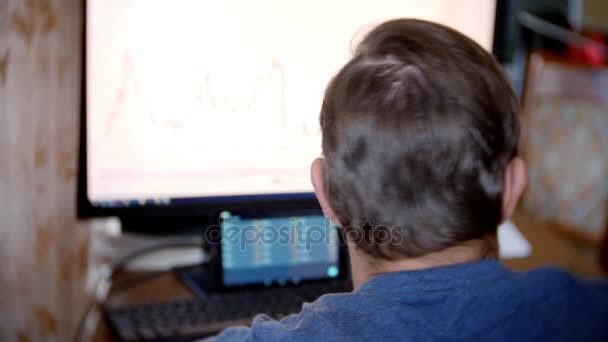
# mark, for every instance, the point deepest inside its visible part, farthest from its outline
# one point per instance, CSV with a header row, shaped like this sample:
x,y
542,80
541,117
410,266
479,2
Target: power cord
x,y
109,271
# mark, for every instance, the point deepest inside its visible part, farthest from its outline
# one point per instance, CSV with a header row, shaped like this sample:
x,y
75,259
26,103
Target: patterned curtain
x,y
566,144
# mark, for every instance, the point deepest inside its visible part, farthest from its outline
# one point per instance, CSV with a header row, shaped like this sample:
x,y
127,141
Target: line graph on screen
x,y
216,98
206,97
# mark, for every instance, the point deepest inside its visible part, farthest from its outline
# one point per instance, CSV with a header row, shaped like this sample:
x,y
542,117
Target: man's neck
x,y
363,267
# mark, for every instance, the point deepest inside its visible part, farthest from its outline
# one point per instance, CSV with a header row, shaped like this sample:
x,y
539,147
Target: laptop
x,y
269,263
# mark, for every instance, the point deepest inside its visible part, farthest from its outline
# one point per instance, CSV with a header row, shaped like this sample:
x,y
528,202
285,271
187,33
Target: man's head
x,y
420,136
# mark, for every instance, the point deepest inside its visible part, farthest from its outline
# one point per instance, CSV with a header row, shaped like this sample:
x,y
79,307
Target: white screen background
x,y
213,98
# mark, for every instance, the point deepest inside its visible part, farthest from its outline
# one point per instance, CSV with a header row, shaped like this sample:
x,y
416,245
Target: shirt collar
x,y
436,278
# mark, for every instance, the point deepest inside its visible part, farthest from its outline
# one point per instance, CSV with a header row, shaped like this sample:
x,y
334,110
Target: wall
x,y
595,14
42,247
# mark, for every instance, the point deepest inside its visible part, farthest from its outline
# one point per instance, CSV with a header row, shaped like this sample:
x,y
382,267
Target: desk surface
x,y
548,248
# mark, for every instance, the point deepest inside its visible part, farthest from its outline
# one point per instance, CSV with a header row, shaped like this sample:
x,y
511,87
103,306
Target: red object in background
x,y
590,54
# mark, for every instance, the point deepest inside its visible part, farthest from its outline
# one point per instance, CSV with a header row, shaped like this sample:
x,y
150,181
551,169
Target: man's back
x,y
473,301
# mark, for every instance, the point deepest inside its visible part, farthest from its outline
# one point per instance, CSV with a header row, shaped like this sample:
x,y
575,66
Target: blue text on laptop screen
x,y
278,250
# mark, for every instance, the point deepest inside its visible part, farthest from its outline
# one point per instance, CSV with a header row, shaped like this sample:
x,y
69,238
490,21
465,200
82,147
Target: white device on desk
x,y
511,243
109,243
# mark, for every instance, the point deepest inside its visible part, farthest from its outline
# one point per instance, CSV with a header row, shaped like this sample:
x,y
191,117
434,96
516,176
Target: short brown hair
x,y
418,129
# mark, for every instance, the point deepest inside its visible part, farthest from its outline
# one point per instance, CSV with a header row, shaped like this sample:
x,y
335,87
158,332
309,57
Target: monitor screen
x,y
278,250
207,99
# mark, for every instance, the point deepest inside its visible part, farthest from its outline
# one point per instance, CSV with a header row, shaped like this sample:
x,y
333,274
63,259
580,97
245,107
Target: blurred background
x,y
554,51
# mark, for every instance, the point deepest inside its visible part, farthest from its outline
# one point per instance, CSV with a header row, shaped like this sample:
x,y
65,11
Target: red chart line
x,y
206,93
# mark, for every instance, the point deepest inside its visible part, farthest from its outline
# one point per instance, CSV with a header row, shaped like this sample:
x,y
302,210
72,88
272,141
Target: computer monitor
x,y
214,105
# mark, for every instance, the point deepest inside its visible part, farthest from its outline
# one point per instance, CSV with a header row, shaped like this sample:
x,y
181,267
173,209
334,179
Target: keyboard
x,y
193,318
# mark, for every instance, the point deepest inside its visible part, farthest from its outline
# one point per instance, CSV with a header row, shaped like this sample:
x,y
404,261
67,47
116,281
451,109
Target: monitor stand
x,y
151,225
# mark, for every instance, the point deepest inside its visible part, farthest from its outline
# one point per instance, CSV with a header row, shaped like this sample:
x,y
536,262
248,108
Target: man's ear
x,y
515,182
317,172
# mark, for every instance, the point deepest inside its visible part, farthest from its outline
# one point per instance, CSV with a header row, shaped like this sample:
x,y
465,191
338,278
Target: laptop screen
x,y
278,250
